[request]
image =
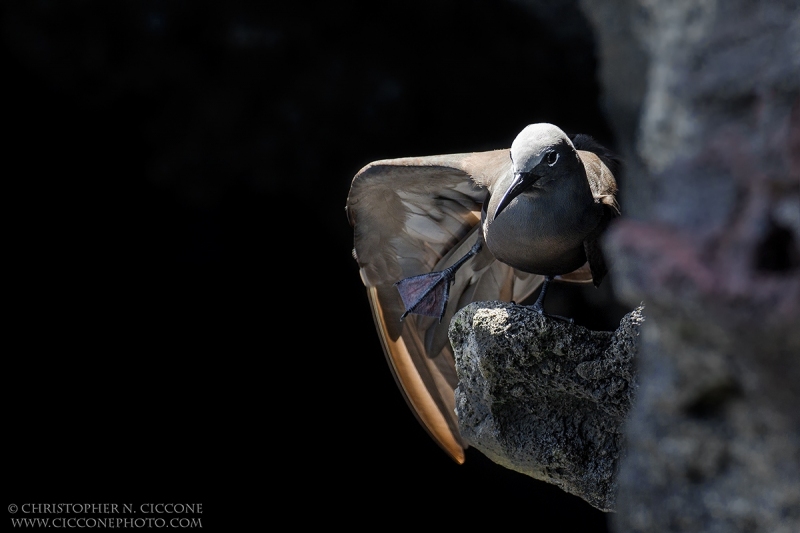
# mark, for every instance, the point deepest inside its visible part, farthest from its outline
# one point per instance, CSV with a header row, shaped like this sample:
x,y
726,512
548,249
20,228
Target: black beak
x,y
522,180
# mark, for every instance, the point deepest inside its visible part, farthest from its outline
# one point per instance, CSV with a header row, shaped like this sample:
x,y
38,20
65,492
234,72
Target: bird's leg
x,y
538,305
427,294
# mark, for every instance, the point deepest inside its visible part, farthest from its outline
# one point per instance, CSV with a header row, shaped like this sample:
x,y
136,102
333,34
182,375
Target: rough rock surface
x,y
546,398
711,243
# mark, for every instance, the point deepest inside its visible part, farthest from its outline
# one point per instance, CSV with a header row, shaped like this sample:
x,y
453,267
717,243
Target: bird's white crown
x,y
533,142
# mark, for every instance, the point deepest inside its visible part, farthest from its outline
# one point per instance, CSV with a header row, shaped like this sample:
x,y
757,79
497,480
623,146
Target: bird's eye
x,y
551,158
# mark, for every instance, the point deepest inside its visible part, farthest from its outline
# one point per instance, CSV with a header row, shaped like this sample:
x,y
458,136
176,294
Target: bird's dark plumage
x,y
505,220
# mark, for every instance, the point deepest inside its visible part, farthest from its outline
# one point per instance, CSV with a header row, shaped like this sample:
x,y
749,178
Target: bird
x,y
434,233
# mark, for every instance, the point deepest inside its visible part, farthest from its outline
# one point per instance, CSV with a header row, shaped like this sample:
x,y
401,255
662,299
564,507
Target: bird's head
x,y
539,154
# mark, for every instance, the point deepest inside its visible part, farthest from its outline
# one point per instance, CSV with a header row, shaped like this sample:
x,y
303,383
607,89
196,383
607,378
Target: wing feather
x,y
412,216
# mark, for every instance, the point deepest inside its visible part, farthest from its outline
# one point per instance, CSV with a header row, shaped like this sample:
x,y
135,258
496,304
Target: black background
x,y
186,321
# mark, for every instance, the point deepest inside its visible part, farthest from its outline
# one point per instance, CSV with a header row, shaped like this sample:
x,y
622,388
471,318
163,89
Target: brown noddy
x,y
435,233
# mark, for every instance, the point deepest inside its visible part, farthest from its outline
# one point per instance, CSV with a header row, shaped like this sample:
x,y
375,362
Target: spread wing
x,y
416,215
598,167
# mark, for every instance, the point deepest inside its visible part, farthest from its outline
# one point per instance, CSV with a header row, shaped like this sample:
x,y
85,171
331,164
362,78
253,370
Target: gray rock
x,y
713,436
710,240
546,398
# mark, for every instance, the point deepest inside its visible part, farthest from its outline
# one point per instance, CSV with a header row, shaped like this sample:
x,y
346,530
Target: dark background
x,y
187,323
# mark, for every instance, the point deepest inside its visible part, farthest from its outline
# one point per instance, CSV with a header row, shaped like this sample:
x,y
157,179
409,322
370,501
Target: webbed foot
x,y
427,294
538,305
540,309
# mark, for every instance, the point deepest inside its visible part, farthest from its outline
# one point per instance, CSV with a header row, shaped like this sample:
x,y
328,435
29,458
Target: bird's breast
x,y
540,234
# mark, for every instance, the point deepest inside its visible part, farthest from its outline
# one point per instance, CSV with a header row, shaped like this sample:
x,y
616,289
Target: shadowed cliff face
x,y
712,248
177,177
